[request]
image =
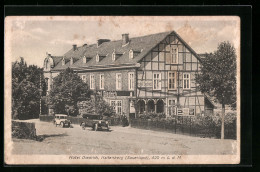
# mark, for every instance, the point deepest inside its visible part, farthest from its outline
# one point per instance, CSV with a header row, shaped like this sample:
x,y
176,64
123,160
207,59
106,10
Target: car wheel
x,y
62,124
95,127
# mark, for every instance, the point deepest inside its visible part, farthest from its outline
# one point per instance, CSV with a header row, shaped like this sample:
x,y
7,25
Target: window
x,y
102,81
171,80
97,58
92,81
186,81
131,81
63,62
118,81
113,104
84,59
131,54
156,81
84,78
71,61
172,107
113,56
174,55
117,106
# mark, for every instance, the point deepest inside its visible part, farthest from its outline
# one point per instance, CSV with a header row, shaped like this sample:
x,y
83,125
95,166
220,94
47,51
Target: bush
x,y
23,130
152,115
47,118
204,126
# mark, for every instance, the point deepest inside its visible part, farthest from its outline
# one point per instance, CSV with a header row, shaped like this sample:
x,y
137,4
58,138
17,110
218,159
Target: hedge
x,y
202,126
46,118
23,130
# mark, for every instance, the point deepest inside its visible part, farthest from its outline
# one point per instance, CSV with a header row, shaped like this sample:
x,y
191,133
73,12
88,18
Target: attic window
x,y
71,61
113,56
131,54
97,58
84,60
63,62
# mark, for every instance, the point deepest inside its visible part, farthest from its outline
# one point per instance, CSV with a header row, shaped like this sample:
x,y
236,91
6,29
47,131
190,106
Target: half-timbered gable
x,y
167,74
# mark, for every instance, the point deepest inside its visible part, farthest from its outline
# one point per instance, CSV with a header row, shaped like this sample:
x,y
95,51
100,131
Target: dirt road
x,y
120,141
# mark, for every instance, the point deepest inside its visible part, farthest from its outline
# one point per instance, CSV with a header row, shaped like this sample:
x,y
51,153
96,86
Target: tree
x,y
68,88
218,77
26,91
96,105
103,108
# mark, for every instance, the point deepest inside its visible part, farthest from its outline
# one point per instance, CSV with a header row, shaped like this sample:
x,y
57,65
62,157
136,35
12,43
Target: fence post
x,y
175,123
190,125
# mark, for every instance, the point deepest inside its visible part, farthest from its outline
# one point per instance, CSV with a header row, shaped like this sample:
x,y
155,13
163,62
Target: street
x,y
119,141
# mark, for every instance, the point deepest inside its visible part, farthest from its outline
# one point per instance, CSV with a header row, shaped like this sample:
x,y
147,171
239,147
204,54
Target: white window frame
x,y
84,78
113,106
113,56
184,80
84,59
92,81
131,54
176,53
131,81
119,107
116,108
71,61
63,62
175,79
101,81
118,82
157,80
97,58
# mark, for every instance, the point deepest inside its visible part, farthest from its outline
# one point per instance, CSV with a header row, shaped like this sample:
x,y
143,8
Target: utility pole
x,y
40,94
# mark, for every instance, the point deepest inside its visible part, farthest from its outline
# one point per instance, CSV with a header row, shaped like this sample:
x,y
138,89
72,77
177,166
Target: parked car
x,y
61,120
95,121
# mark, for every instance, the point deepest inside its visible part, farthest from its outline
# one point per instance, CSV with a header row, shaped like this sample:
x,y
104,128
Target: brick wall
x,y
110,79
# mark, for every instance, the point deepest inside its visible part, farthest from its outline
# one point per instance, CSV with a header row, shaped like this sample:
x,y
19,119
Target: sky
x,y
31,37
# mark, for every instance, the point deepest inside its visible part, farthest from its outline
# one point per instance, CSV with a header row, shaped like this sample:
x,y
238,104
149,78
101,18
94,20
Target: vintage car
x,y
95,121
61,120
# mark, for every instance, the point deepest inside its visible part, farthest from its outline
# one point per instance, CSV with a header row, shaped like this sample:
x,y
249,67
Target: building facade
x,y
153,73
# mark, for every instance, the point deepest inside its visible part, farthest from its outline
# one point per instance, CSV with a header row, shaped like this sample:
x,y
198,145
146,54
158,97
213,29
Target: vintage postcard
x,y
115,90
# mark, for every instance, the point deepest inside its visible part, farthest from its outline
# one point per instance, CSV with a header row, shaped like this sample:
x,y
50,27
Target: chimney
x,y
100,41
74,47
125,39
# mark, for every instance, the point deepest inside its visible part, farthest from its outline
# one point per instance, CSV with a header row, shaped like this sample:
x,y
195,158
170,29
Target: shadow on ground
x,y
40,138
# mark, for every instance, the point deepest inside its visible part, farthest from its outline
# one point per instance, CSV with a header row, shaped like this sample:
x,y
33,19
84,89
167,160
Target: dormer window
x,y
84,59
63,62
131,54
97,58
114,56
71,61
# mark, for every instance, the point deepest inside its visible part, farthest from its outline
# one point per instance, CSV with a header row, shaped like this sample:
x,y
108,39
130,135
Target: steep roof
x,y
142,45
